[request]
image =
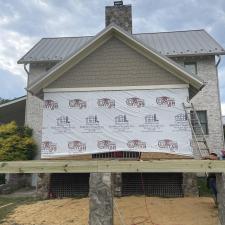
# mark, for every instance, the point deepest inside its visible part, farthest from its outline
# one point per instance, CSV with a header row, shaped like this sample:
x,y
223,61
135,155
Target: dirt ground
x,y
162,211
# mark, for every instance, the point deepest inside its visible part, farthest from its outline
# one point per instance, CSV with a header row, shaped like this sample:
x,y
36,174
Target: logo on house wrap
x,y
106,102
168,144
165,101
136,144
135,102
151,118
48,146
50,104
77,103
63,121
106,145
92,120
121,119
77,145
181,117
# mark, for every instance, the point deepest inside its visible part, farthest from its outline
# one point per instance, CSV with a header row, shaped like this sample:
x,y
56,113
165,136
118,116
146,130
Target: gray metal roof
x,y
177,43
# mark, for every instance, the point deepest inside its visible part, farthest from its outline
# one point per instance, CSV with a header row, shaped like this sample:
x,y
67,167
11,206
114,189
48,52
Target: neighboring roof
x,y
110,31
177,43
13,101
13,111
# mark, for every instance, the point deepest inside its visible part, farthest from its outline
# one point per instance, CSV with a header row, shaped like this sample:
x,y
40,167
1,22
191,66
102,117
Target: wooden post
x,y
101,199
220,180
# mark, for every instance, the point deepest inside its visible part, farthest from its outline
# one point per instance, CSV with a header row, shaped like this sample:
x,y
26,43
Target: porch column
x,y
43,183
101,199
220,182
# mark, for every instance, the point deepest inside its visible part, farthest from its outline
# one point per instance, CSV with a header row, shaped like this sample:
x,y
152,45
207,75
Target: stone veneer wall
x,y
190,185
209,99
119,15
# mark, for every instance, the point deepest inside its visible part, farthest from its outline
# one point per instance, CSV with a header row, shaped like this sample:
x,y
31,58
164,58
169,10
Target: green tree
x,y
2,100
16,143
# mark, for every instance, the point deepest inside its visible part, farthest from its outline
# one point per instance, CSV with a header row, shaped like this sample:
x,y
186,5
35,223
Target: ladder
x,y
197,131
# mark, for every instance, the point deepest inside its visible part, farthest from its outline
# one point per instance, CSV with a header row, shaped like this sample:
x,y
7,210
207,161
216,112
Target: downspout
x,y
218,62
25,68
28,73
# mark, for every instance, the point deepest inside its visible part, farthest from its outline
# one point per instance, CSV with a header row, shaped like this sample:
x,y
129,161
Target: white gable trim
x,y
120,88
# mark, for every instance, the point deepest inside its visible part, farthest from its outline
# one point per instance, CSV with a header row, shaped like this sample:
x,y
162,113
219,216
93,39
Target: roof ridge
x,y
176,31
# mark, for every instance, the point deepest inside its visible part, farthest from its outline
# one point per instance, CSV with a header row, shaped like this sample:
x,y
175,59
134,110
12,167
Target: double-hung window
x,y
202,116
191,67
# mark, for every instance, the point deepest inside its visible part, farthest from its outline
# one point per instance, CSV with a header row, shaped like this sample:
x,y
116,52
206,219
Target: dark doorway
x,y
69,185
152,184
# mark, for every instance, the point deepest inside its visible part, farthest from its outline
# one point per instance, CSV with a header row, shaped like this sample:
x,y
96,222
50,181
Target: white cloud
x,y
12,46
24,22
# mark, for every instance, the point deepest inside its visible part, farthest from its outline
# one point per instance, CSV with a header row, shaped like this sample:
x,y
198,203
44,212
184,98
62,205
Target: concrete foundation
x,y
101,199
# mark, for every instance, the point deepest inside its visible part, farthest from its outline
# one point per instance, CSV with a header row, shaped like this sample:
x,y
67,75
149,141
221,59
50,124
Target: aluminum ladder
x,y
197,131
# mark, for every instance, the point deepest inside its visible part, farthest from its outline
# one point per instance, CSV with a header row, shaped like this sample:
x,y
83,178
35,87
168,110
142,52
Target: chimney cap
x,y
118,3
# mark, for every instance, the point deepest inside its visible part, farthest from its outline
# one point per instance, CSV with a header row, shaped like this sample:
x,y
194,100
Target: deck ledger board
x,y
113,166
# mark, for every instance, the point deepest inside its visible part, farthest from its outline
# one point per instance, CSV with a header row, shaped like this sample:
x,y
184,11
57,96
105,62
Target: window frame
x,y
191,63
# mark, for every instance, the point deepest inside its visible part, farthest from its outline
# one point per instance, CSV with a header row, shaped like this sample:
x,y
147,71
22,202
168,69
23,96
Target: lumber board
x,y
72,166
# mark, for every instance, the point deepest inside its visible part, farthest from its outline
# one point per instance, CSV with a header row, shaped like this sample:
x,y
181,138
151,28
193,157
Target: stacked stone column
x,y
220,179
101,199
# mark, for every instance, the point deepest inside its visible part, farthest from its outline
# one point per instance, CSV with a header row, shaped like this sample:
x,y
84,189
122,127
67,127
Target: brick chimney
x,y
119,14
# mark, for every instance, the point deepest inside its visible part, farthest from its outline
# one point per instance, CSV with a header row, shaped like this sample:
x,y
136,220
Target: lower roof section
x,y
13,111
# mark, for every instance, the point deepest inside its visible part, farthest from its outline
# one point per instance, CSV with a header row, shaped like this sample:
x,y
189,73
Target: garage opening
x,y
155,184
69,185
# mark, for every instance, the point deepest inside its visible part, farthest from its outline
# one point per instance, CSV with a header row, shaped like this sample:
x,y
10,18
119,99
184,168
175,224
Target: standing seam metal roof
x,y
177,43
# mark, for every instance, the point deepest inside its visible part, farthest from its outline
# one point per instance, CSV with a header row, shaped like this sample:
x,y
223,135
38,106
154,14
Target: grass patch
x,y
16,201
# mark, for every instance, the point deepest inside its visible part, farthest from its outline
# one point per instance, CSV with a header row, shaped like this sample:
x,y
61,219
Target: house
x,y
115,59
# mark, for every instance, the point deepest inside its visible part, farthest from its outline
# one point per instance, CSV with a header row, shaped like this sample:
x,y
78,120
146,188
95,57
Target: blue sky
x,y
24,22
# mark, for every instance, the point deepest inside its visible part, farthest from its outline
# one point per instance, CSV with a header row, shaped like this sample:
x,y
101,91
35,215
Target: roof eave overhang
x,y
100,39
196,54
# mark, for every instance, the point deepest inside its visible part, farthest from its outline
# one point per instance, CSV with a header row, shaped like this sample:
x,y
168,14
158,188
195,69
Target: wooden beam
x,y
71,166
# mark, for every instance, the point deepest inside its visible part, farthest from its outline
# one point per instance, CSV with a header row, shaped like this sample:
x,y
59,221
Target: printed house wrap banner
x,y
104,121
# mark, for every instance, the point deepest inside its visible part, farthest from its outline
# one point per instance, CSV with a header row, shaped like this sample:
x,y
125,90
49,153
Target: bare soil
x,y
162,211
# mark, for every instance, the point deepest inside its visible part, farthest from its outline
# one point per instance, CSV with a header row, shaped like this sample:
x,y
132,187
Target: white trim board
x,y
118,88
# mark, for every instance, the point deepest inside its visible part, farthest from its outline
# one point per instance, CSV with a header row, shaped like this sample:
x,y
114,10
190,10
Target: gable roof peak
x,y
102,37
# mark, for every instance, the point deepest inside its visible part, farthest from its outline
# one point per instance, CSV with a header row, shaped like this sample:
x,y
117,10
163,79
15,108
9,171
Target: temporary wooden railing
x,y
72,166
99,170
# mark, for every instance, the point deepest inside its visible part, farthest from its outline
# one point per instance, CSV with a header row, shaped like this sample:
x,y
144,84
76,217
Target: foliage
x,y
16,143
202,187
2,100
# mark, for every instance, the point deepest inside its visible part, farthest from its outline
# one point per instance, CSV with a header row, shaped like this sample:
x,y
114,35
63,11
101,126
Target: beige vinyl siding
x,y
115,64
